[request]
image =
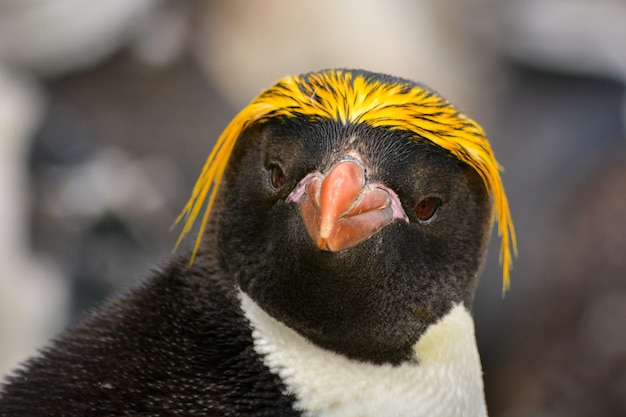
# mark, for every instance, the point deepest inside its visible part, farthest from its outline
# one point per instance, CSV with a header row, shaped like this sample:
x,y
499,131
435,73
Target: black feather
x,y
176,345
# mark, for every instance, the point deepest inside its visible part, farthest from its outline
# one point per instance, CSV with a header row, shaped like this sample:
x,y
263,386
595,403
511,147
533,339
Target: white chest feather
x,y
446,380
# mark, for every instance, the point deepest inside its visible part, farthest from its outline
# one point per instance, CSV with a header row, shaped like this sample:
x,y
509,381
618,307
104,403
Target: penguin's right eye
x,y
277,177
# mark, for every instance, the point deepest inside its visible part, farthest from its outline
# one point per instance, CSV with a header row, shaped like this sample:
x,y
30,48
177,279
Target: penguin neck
x,y
444,380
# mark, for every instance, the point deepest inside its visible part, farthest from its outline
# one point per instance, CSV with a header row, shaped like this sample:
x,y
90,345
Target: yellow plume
x,y
378,101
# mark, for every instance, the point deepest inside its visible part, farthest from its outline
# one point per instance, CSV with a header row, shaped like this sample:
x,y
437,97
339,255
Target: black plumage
x,y
175,345
368,313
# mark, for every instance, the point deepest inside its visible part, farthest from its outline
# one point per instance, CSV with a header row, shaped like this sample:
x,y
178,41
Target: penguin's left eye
x,y
426,209
277,177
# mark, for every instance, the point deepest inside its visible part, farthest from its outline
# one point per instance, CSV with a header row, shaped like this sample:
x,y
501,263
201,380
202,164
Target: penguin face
x,y
373,298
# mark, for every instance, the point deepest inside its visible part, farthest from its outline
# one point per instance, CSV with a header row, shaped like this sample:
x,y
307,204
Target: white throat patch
x,y
446,382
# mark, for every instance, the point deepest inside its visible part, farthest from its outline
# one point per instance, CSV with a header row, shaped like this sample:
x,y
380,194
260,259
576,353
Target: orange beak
x,y
341,209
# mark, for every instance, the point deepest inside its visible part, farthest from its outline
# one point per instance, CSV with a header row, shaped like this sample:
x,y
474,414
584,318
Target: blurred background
x,y
108,110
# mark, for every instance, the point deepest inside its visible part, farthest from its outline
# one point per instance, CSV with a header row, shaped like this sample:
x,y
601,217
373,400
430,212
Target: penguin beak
x,y
341,209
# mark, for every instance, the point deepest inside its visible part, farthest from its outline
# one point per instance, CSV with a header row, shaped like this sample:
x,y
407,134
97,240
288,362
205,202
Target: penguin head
x,y
345,225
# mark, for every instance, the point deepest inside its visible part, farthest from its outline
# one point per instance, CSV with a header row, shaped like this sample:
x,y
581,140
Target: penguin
x,y
345,225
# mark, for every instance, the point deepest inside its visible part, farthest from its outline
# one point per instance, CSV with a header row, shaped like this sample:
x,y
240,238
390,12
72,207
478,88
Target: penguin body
x,y
334,278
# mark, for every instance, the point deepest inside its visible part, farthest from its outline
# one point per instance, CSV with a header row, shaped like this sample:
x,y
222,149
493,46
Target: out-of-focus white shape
x,y
33,295
111,181
247,46
54,36
576,36
165,35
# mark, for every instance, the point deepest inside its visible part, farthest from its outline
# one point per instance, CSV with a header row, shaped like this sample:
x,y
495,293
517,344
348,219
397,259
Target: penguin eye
x,y
277,177
427,208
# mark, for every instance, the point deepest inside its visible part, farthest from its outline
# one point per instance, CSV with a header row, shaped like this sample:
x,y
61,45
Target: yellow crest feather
x,y
361,97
